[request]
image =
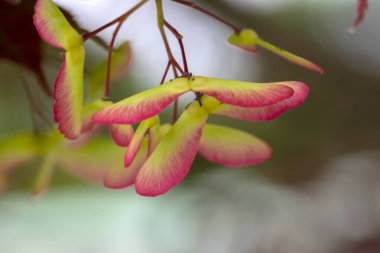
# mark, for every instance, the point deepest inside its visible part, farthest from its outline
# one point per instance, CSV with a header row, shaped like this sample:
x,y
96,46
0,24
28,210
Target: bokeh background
x,y
320,192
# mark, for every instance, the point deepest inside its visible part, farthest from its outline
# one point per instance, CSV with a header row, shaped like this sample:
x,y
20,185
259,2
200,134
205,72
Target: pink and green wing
x,y
57,31
137,139
231,147
154,136
88,111
68,94
143,105
53,27
121,134
92,160
242,94
164,129
264,113
119,177
171,160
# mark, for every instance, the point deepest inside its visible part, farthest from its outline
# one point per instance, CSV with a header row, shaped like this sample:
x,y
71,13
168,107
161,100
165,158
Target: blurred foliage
x,y
19,40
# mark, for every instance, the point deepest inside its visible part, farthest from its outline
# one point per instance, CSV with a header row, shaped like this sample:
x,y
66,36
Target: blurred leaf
x,y
19,40
18,149
92,160
44,175
121,57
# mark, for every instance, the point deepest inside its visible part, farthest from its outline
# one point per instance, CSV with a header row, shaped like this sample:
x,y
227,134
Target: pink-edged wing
x,y
137,139
53,27
143,105
171,160
68,94
242,94
265,113
232,147
121,134
119,177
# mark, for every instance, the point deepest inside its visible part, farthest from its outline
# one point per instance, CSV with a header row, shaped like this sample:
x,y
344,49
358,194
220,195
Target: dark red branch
x,y
165,72
180,42
109,62
116,20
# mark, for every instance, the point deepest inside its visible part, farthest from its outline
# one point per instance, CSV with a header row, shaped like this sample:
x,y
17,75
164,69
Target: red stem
x,y
175,106
185,66
175,111
174,63
180,42
109,62
166,72
160,20
116,20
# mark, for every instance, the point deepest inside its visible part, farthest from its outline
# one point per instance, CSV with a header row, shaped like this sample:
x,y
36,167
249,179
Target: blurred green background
x,y
319,192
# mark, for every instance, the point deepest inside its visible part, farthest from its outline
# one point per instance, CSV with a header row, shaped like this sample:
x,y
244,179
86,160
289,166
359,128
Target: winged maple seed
x,y
158,157
68,90
174,152
248,39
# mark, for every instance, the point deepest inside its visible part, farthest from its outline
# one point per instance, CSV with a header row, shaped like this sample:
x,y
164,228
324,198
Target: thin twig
x,y
175,106
109,62
180,42
160,22
165,72
119,19
161,25
175,111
